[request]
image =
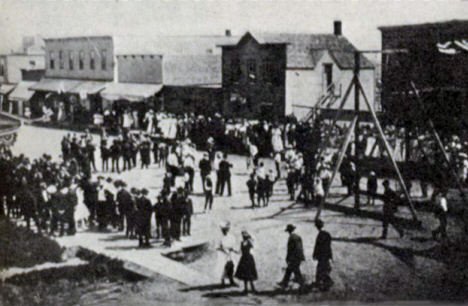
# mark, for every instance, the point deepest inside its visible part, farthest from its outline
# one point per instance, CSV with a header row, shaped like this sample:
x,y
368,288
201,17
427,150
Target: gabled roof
x,y
188,45
305,50
191,70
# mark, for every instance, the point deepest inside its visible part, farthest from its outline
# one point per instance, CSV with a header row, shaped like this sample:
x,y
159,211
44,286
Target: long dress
x,y
81,211
277,140
246,269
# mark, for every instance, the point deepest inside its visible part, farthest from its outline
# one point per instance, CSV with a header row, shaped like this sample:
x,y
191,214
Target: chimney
x,y
337,28
228,33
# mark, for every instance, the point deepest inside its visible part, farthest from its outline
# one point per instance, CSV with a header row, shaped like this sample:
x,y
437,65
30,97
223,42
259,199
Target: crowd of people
x,y
61,197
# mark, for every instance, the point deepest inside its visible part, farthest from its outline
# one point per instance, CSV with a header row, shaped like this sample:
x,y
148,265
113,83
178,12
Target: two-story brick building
x,y
433,57
275,75
77,69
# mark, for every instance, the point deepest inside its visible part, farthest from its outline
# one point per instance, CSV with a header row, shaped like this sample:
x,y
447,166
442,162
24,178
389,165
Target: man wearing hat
x,y
124,204
390,207
178,205
323,254
205,168
371,188
144,218
294,258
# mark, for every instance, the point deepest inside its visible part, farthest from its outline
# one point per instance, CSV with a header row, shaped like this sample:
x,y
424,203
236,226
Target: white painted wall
x,y
304,87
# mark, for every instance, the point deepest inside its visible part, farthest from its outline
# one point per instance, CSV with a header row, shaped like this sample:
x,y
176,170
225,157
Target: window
x,y
328,76
91,60
103,59
71,60
81,60
52,60
236,71
252,69
32,63
2,66
61,59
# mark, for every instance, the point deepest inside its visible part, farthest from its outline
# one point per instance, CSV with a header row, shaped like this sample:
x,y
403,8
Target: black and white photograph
x,y
233,152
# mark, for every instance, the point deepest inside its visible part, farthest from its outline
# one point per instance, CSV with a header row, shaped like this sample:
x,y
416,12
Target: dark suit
x,y
125,205
205,169
389,209
225,173
294,258
145,209
323,254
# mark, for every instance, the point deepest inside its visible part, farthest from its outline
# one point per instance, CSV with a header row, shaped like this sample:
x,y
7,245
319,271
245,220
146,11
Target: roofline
x,y
21,54
76,37
423,25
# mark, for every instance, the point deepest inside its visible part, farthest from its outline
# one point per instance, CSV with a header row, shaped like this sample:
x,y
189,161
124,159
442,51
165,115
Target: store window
x,y
81,60
52,60
71,60
92,63
61,59
103,59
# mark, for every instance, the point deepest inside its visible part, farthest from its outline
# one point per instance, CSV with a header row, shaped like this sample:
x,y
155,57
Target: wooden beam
x,y
389,151
342,153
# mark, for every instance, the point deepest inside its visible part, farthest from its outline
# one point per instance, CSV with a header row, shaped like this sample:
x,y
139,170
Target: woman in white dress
x,y
81,214
277,139
149,120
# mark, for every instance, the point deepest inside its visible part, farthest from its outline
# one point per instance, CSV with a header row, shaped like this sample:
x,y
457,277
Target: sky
x,y
360,18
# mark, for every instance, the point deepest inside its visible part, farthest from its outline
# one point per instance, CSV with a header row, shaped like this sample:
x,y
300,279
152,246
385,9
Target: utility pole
x,y
357,65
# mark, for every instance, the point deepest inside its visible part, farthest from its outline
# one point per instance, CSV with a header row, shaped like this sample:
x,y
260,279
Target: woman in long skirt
x,y
246,269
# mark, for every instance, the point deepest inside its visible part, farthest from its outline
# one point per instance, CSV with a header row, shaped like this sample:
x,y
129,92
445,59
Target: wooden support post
x,y
357,177
389,151
341,155
439,142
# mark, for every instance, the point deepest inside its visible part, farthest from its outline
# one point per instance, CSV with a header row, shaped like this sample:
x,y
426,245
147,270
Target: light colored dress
x,y
277,140
227,243
81,211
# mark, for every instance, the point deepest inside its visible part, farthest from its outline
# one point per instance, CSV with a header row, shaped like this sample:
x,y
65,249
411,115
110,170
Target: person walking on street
x,y
441,213
205,168
246,269
371,188
323,254
252,186
187,217
225,171
389,209
208,193
294,257
144,218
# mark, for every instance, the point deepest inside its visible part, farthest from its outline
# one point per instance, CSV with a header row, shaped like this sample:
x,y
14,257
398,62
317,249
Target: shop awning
x,y
129,91
5,88
56,85
22,91
89,88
